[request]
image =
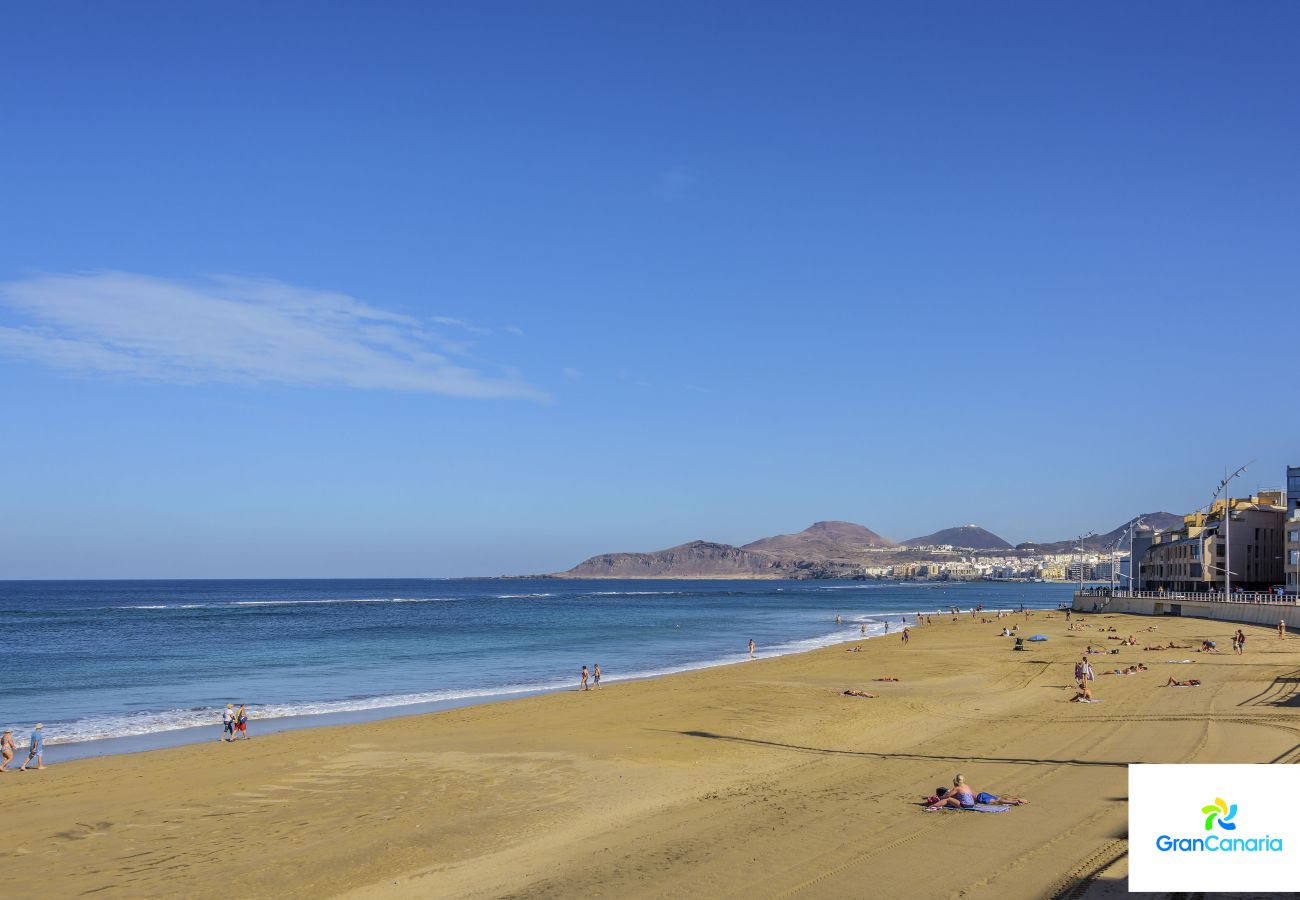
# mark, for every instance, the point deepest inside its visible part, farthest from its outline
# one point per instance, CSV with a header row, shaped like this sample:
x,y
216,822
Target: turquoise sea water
x,y
103,660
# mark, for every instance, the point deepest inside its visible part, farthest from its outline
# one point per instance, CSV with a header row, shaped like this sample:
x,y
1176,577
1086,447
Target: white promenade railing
x,y
1206,597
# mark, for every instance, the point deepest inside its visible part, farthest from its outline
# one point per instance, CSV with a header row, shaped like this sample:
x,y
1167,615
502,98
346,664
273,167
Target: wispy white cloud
x,y
228,329
515,330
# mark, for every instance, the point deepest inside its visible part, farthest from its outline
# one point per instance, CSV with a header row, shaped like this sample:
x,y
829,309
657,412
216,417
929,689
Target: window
x,y
1293,536
1295,557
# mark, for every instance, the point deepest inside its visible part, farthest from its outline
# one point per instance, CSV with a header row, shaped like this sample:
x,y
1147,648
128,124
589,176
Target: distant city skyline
x,y
451,292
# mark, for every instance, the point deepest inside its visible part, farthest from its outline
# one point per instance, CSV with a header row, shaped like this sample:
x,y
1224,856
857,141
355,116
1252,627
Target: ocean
x,y
101,662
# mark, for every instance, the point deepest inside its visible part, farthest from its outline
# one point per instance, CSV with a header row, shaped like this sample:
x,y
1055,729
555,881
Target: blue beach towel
x,y
1039,637
978,807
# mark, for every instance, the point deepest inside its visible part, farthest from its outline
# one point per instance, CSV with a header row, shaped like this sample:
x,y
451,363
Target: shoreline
x,y
166,738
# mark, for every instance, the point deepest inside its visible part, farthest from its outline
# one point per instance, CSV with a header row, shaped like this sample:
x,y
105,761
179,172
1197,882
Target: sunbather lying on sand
x,y
1174,682
851,692
1084,695
890,678
1131,670
962,797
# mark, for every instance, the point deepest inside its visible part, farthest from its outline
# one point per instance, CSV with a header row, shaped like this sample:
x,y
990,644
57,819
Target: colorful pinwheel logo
x,y
1221,811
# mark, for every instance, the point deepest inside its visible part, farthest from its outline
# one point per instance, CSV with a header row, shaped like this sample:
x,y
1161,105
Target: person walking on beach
x,y
228,723
241,722
751,648
907,635
1241,642
595,675
1281,628
584,679
6,750
35,748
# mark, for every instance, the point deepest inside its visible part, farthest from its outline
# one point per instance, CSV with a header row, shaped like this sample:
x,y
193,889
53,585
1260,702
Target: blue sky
x,y
408,289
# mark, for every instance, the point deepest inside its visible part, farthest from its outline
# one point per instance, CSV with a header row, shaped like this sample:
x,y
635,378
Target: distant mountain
x,y
822,540
968,536
696,559
1159,521
823,550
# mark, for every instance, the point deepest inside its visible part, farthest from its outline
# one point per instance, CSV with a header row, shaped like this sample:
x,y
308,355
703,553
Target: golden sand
x,y
757,780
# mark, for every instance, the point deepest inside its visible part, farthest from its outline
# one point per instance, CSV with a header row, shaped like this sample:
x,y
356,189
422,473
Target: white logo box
x,y
1166,810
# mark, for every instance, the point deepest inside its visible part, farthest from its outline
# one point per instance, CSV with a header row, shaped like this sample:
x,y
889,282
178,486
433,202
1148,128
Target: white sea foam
x,y
117,725
228,604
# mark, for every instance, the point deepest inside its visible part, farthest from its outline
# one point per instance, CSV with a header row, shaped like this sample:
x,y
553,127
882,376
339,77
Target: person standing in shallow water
x,y
6,750
751,648
595,675
584,679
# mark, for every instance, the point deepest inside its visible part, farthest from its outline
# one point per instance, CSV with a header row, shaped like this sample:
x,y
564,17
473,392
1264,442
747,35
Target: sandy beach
x,y
757,779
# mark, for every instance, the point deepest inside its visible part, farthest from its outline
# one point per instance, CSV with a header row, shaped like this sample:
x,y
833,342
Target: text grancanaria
x,y
1214,843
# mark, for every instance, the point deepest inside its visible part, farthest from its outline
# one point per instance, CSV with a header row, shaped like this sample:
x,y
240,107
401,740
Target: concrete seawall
x,y
1246,612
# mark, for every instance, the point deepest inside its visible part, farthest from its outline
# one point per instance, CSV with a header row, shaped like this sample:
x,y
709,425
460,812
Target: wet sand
x,y
759,779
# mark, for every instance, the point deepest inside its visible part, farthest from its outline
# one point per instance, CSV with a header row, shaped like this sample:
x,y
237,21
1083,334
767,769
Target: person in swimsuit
x,y
583,680
1174,682
228,724
1281,628
241,722
961,794
7,749
1241,642
907,635
751,648
595,675
35,749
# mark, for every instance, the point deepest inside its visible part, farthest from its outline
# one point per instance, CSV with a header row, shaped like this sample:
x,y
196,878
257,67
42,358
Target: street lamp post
x,y
1132,563
1082,538
1227,526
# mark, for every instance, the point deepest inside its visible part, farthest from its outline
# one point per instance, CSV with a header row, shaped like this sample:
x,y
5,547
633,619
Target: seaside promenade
x,y
759,779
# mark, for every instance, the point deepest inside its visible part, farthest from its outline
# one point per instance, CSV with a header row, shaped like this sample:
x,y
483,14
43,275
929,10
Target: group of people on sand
x,y
35,749
963,796
591,677
234,724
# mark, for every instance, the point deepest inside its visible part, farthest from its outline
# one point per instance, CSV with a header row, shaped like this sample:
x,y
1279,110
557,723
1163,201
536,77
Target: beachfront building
x,y
1291,554
1292,491
1192,558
